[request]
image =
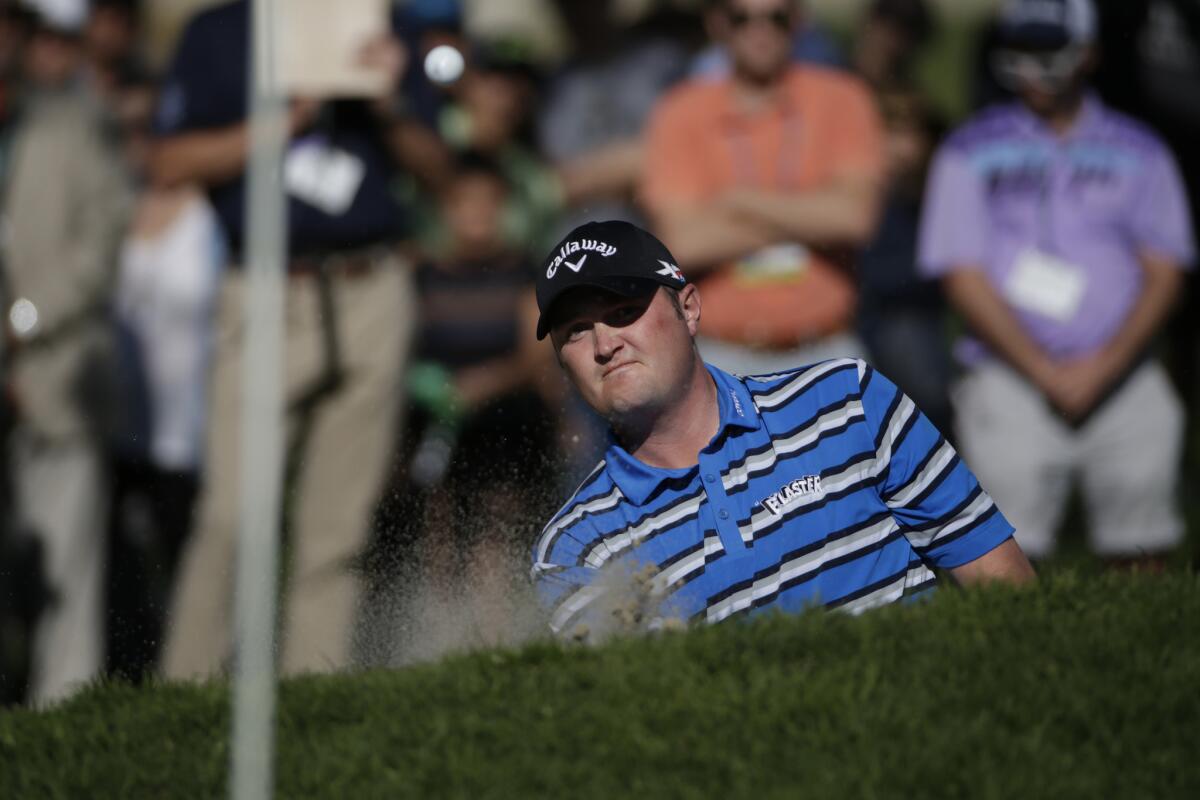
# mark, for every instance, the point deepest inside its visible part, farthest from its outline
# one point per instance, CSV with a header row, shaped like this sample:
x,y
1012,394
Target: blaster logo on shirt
x,y
778,501
603,248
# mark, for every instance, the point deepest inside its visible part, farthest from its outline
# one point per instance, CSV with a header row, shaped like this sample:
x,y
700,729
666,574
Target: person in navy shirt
x,y
349,307
729,495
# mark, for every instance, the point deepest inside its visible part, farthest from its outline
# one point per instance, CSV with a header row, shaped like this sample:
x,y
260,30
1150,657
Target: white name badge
x,y
777,262
323,176
1047,285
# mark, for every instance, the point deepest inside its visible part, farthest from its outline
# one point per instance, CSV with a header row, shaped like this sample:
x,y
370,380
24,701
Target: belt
x,y
349,264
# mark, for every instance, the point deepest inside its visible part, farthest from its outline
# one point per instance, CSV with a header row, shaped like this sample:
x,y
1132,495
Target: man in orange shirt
x,y
765,183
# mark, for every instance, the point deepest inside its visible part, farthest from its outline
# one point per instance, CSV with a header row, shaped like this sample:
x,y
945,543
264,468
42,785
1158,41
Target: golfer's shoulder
x,y
784,388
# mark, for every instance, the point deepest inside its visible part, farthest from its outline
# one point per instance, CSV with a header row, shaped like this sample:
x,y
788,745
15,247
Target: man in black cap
x,y
727,494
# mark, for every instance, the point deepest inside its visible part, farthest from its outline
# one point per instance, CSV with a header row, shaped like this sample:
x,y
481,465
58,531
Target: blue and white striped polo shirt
x,y
822,485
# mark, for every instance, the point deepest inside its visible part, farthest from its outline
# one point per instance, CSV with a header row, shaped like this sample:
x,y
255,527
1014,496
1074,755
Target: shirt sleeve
x,y
954,220
187,99
942,510
566,588
1161,220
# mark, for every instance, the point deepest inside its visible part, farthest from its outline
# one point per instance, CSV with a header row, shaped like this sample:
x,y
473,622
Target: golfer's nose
x,y
607,341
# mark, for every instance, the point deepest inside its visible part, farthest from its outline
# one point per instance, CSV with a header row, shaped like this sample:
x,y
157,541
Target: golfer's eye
x,y
624,315
576,330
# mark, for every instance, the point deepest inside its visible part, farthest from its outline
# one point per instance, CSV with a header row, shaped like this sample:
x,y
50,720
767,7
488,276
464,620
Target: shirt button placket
x,y
726,522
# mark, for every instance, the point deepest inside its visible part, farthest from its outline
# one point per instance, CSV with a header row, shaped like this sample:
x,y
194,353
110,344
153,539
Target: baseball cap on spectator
x,y
64,17
1047,24
614,255
1043,43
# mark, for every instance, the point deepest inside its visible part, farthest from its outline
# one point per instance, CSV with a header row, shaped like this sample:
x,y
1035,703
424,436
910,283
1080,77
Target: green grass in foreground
x,y
1081,688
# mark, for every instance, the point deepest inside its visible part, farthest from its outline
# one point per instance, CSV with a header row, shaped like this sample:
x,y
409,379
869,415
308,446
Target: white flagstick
x,y
251,776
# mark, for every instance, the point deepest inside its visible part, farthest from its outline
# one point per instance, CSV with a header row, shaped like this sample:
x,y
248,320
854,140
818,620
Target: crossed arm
x,y
742,220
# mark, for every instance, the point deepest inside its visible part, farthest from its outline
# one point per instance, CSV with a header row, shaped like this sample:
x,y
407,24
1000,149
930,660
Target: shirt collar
x,y
781,101
1090,112
638,481
735,405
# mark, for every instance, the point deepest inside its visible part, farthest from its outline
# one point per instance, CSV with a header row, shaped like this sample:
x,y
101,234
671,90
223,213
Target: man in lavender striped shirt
x,y
1060,230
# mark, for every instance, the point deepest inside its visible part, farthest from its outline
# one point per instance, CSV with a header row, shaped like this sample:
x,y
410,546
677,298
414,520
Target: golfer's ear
x,y
689,301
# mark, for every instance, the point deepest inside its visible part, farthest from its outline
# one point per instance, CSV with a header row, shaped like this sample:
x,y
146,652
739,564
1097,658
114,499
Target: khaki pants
x,y
1126,457
339,471
62,495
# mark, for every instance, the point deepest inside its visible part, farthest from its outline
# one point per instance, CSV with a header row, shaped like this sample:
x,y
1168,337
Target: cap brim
x,y
617,284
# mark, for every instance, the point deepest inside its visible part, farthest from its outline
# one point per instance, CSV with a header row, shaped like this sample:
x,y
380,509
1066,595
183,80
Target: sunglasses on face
x,y
780,18
1052,70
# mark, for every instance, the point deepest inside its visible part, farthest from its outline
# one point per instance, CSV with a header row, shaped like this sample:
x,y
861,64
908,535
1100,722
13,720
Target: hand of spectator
x,y
387,55
739,201
1074,387
302,112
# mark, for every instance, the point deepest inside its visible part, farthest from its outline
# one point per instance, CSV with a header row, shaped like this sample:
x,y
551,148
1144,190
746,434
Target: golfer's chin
x,y
622,402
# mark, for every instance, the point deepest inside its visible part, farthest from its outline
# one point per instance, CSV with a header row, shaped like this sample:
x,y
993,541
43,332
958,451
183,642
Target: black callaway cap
x,y
613,255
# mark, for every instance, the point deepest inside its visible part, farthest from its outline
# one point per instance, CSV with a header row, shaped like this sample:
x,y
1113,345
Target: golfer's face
x,y
624,354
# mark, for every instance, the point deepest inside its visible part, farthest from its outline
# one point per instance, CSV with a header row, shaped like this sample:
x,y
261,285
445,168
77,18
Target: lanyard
x,y
1046,236
741,150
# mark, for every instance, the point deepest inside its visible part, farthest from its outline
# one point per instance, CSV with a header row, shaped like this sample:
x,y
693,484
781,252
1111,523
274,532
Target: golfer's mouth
x,y
608,373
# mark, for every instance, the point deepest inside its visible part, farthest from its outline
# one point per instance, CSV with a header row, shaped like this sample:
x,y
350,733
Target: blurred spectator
x,y
902,315
476,463
1061,231
889,39
53,58
811,44
595,107
1151,69
165,312
492,115
65,204
348,303
760,184
424,25
20,556
110,41
16,24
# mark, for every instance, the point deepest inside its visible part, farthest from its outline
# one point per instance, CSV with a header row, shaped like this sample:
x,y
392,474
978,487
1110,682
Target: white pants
x,y
1127,457
62,496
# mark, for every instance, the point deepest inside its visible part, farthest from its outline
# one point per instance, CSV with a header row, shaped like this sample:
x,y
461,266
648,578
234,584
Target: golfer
x,y
822,485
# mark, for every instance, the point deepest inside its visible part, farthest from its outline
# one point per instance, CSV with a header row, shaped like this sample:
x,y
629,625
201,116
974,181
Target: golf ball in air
x,y
444,64
23,317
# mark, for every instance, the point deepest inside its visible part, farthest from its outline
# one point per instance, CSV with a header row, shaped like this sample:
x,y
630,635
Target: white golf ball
x,y
23,317
444,64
